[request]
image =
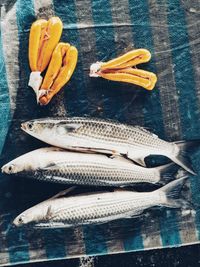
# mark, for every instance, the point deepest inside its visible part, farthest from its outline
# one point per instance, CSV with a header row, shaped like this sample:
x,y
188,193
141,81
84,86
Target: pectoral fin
x,y
51,225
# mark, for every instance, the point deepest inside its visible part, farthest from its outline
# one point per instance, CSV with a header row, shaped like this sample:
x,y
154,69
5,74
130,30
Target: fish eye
x,y
10,168
20,220
30,126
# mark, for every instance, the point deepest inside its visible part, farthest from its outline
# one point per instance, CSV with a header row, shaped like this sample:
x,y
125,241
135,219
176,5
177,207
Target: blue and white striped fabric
x,y
100,29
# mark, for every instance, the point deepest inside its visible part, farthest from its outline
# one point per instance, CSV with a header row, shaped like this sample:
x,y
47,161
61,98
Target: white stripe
x,y
10,42
114,243
37,246
150,231
4,254
75,245
166,81
4,258
188,231
43,8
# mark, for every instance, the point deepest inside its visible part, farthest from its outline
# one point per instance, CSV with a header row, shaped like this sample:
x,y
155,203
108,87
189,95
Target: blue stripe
x,y
106,50
152,107
185,81
4,97
94,238
16,239
55,243
134,240
17,246
75,91
169,229
142,38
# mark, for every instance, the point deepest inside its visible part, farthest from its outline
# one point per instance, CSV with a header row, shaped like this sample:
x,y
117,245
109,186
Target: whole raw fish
x,y
95,208
60,166
97,135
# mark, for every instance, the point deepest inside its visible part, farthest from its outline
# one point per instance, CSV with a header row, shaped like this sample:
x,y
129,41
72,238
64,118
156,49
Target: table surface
x,y
101,30
188,256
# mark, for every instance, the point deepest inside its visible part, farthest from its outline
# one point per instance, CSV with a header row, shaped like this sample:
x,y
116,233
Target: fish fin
x,y
71,127
51,225
181,158
167,172
63,193
49,212
171,194
53,165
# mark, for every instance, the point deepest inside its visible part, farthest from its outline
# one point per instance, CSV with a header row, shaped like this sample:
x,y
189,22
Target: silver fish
x,y
102,136
102,207
60,166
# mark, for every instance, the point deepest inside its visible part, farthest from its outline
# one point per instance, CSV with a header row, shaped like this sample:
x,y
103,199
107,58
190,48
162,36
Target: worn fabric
x,y
101,30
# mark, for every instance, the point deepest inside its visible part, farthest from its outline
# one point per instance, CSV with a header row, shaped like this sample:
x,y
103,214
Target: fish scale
x,y
106,207
93,174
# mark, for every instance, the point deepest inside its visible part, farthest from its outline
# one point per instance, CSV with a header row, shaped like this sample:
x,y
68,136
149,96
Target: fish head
x,y
12,168
40,128
34,214
20,220
17,165
49,130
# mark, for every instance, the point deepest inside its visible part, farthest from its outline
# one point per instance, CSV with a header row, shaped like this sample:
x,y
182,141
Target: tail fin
x,y
171,194
181,158
167,172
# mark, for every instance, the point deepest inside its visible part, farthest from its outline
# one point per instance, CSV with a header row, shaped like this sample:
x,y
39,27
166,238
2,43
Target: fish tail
x,y
168,172
181,158
171,194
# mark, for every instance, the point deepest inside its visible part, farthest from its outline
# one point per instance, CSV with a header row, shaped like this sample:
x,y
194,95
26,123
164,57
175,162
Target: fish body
x,y
101,207
89,134
60,166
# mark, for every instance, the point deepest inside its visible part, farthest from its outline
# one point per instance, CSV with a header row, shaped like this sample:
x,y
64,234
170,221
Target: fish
x,y
104,136
101,207
57,165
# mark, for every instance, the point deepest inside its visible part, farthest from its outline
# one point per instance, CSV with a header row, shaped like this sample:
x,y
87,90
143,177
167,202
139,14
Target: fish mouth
x,y
3,169
15,222
23,127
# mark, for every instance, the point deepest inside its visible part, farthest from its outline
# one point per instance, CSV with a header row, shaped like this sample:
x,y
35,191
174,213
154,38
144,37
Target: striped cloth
x,y
100,29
